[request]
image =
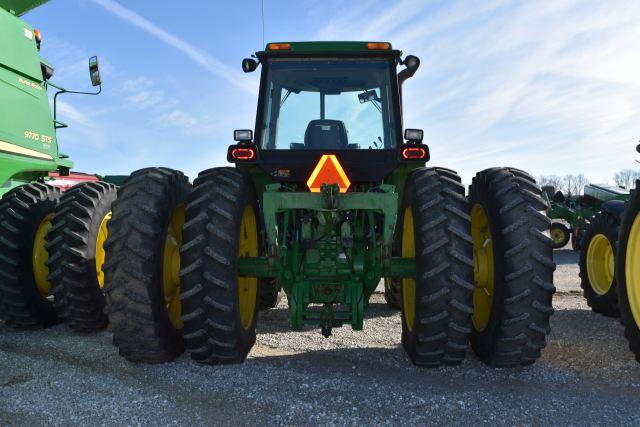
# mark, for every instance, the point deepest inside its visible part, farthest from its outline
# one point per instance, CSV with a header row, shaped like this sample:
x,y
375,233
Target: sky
x,y
552,87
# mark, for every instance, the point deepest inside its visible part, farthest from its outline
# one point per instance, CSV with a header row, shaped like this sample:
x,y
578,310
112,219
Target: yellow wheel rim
x,y
40,256
632,270
483,267
171,267
557,235
100,253
600,264
408,285
248,286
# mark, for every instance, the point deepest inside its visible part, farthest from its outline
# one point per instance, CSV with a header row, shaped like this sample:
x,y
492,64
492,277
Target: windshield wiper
x,y
286,95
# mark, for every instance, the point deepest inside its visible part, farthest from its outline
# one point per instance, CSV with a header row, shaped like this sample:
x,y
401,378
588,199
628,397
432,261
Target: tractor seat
x,y
325,134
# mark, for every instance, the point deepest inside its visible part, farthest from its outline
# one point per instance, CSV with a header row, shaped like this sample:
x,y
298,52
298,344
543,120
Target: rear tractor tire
x,y
25,293
76,239
437,303
560,234
597,264
219,307
142,284
393,292
268,293
628,271
513,267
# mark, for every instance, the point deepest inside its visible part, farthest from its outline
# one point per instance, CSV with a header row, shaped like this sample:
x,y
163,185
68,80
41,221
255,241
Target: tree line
x,y
574,184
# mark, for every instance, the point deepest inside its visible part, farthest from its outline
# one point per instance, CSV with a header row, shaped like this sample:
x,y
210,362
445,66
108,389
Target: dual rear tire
x,y
484,268
171,272
51,255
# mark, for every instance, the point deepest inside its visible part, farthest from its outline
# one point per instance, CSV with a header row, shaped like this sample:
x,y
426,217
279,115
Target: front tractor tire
x,y
628,271
513,267
219,307
560,234
597,264
142,265
25,292
76,239
436,304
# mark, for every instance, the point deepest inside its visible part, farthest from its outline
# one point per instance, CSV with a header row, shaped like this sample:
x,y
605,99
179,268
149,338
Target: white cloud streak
x,y
553,87
212,65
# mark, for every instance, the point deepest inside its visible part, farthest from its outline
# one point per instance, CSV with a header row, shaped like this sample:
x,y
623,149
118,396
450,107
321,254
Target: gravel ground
x,y
585,376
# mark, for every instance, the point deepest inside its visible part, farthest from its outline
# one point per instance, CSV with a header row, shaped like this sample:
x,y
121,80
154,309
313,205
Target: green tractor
x,y
628,270
598,247
51,249
577,211
328,196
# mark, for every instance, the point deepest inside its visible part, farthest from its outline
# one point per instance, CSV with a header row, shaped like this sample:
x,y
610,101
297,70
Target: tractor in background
x,y
577,211
598,246
327,197
627,269
52,221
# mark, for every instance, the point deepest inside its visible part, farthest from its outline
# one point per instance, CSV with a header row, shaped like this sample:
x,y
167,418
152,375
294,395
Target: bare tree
x,y
571,184
552,180
626,178
581,181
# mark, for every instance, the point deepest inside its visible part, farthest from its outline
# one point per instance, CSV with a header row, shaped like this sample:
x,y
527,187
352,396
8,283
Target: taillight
x,y
243,154
414,153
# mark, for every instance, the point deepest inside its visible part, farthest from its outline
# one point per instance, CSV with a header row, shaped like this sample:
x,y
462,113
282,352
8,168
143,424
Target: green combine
x,y
577,211
329,196
50,241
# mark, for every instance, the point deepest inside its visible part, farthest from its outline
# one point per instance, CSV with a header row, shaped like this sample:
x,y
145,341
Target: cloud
x,y
177,118
206,61
139,83
550,86
146,99
69,114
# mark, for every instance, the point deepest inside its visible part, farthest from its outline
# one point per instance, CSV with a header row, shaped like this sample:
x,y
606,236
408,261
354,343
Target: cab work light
x,y
378,46
279,46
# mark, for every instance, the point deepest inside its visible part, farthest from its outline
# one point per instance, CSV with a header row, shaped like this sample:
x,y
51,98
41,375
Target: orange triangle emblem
x,y
328,171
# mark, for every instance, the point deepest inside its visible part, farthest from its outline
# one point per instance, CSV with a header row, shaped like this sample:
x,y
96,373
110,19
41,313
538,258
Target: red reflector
x,y
243,153
414,153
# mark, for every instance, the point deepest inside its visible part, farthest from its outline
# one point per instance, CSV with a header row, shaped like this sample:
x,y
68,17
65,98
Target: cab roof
x,y
342,48
20,7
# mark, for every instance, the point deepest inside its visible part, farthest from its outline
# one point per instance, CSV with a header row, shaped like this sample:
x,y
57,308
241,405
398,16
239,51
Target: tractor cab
x,y
329,98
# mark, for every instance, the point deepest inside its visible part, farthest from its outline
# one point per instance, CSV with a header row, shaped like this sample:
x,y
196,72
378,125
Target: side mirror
x,y
367,96
249,65
413,135
243,135
638,148
94,71
412,63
